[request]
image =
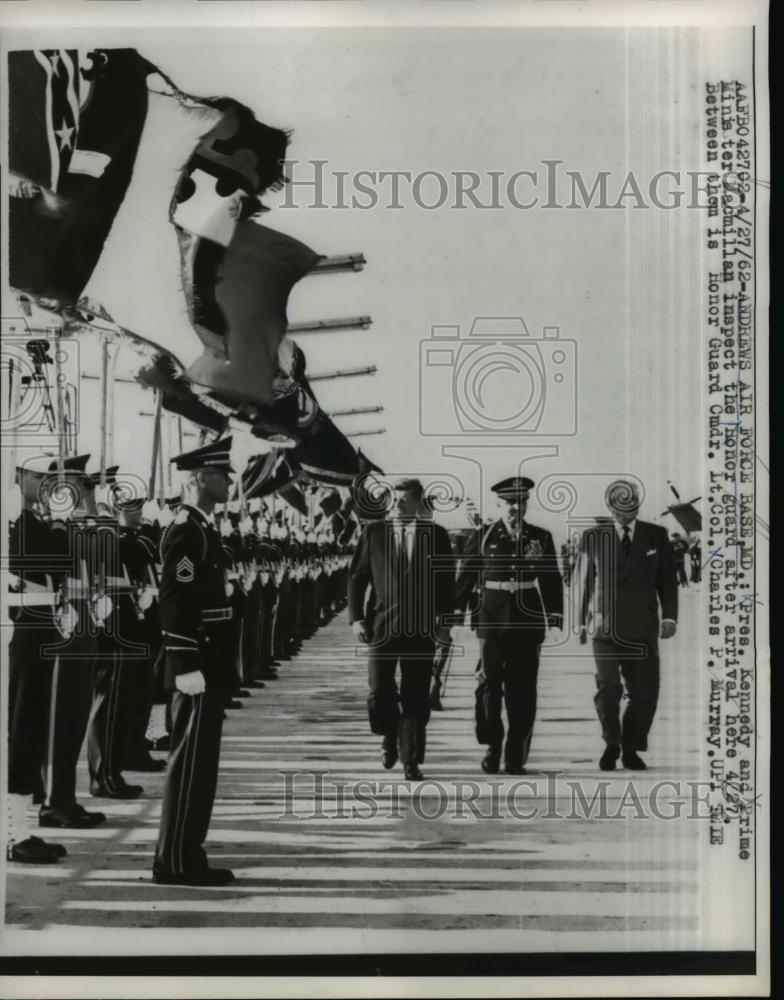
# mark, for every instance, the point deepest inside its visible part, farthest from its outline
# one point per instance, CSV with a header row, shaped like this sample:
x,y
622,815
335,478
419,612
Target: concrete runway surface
x,y
464,863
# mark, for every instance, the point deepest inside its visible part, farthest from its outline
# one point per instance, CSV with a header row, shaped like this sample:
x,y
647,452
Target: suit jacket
x,y
627,591
409,597
492,555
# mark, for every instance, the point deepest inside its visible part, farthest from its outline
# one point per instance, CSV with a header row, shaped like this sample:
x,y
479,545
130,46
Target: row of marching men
x,y
85,565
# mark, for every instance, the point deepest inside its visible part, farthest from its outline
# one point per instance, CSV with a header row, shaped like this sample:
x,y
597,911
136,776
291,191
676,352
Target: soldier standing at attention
x,y
516,566
198,666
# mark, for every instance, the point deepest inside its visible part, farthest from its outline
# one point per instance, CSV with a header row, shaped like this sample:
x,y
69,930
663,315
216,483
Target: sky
x,y
622,286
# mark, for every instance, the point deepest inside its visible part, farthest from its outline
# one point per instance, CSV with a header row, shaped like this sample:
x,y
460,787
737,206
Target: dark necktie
x,y
626,542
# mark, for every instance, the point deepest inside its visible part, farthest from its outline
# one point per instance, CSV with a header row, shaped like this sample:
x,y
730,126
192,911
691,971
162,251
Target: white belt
x,y
216,615
509,585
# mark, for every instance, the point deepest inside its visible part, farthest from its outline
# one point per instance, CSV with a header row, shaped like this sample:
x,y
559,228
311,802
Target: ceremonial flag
x,y
687,516
264,478
330,503
178,397
75,120
365,465
237,302
294,498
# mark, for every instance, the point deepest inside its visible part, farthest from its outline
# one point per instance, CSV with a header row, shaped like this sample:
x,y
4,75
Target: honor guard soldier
x,y
196,658
138,619
37,559
515,565
117,653
88,608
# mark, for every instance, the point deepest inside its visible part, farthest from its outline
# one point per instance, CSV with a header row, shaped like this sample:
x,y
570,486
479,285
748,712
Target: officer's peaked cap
x,y
216,455
514,486
44,464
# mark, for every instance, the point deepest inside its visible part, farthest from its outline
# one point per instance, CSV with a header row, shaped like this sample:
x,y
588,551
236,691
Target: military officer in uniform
x,y
514,563
198,666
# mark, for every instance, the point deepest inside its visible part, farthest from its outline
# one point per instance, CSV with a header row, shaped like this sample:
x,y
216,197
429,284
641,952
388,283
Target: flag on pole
x,y
75,120
242,293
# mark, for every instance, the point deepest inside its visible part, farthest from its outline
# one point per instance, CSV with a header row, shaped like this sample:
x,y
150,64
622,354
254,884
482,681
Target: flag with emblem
x,y
237,298
75,120
45,87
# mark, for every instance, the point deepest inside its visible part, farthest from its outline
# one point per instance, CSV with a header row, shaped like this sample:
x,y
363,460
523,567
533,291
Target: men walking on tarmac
x,y
408,563
199,667
507,560
628,574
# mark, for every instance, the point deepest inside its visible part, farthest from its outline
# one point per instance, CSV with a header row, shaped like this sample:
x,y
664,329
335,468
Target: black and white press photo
x,y
385,499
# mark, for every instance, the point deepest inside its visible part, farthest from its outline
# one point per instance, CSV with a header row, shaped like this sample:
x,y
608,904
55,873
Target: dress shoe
x,y
491,762
145,764
57,849
114,789
388,756
270,675
514,769
234,704
67,819
242,693
412,772
93,815
33,851
204,876
632,762
609,757
256,684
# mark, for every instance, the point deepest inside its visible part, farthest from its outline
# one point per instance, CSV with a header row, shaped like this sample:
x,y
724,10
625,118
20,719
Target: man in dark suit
x,y
199,667
407,561
628,574
514,563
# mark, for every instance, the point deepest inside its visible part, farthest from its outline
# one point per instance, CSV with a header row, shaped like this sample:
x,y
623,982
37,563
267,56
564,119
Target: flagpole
x,y
354,410
339,262
344,373
156,442
61,429
325,325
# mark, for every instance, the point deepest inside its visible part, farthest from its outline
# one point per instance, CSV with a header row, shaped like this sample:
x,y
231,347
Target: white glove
x,y
192,683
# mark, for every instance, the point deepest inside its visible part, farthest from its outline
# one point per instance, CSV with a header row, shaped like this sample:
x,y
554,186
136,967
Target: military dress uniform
x,y
37,555
197,630
520,595
72,678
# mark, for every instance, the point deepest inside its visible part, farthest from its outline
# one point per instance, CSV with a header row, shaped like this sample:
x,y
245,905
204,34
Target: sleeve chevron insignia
x,y
185,570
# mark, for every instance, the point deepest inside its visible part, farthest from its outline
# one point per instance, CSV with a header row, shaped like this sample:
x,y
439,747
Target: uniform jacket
x,y
409,598
493,555
195,614
38,555
626,592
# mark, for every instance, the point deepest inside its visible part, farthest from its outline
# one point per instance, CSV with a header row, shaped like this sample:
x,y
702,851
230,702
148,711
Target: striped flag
x,y
75,122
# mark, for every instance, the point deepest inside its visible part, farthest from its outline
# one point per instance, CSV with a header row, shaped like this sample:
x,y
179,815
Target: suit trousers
x,y
638,665
69,711
191,781
510,665
402,716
